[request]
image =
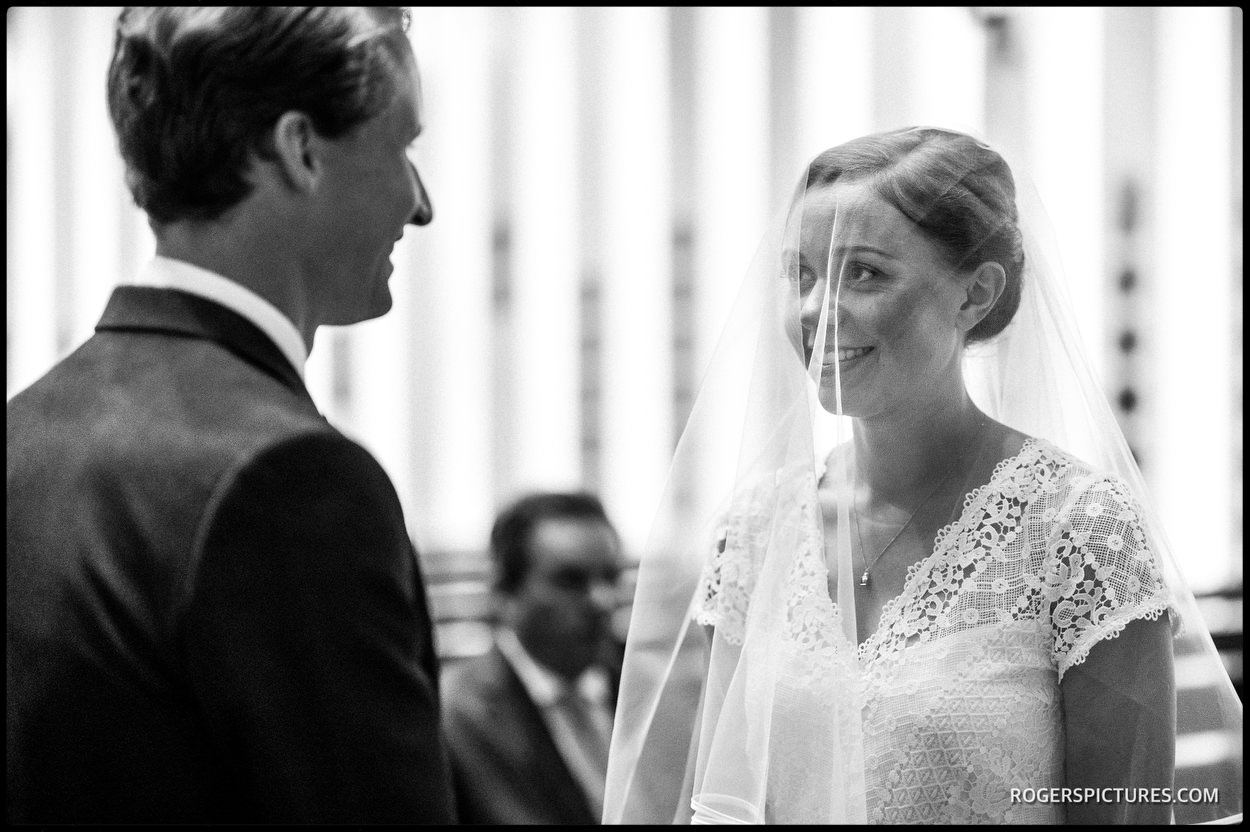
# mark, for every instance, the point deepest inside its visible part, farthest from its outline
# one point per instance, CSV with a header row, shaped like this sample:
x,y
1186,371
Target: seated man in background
x,y
528,723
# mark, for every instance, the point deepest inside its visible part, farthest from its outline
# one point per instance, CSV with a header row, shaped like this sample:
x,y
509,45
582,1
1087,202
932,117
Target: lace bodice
x,y
959,686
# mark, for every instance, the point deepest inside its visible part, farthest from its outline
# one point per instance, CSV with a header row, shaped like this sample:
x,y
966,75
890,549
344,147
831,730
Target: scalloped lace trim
x,y
1044,538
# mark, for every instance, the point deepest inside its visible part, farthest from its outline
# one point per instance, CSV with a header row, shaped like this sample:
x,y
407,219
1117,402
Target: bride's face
x,y
898,344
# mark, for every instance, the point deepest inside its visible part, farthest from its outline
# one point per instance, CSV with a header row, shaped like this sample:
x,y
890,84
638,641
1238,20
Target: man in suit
x,y
215,613
528,723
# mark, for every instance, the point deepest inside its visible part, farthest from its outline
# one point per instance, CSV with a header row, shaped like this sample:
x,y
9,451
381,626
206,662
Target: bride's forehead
x,y
849,210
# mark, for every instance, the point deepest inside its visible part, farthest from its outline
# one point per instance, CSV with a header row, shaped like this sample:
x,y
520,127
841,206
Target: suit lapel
x,y
551,773
144,308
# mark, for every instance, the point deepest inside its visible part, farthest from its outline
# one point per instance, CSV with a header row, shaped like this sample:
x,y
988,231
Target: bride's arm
x,y
1120,724
1114,651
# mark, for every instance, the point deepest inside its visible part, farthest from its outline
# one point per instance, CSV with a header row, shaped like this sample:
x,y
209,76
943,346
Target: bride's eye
x,y
858,273
801,275
807,281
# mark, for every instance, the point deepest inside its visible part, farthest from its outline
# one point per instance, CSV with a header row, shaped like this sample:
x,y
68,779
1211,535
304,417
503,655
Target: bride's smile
x,y
853,353
896,300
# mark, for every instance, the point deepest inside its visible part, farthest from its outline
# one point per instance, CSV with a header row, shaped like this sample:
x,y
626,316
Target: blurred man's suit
x,y
506,764
528,723
178,511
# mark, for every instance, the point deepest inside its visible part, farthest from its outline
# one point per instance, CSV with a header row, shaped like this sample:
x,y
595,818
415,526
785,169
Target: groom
x,y
215,614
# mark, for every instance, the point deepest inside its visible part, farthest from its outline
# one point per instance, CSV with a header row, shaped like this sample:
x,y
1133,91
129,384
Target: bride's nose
x,y
812,303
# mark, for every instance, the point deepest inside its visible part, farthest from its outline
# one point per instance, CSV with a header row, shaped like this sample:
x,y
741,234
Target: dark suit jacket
x,y
215,613
506,766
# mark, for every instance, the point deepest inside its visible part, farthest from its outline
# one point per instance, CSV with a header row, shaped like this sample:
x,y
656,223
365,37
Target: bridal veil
x,y
743,688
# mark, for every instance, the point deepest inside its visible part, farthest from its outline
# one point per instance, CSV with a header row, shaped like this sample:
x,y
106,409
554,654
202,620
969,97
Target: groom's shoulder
x,y
316,450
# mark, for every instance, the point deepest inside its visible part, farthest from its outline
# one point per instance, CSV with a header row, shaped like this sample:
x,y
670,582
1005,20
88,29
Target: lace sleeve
x,y
725,586
1102,572
735,552
710,579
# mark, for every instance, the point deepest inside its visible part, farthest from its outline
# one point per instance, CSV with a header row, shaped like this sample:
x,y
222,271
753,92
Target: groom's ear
x,y
981,291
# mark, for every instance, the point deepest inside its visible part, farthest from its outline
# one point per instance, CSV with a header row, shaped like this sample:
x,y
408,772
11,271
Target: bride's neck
x,y
898,455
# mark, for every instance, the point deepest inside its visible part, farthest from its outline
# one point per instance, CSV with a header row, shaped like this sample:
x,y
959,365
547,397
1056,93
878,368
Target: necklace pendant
x,y
863,579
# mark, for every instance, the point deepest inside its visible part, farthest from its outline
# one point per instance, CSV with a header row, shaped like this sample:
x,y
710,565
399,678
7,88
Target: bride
x,y
932,589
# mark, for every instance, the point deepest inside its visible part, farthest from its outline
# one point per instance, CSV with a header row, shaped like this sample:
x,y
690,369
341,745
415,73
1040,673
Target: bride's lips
x,y
847,355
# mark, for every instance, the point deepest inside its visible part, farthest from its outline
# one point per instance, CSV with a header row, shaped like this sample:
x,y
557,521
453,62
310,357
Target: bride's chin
x,y
829,403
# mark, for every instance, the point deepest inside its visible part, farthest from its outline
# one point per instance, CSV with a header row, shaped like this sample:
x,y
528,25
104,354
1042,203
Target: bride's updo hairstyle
x,y
958,191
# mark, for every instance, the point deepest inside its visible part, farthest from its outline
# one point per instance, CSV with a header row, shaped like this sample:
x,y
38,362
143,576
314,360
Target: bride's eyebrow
x,y
860,249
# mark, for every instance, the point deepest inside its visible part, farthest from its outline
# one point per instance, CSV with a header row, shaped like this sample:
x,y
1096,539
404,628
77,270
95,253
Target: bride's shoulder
x,y
1037,451
832,461
771,484
1069,478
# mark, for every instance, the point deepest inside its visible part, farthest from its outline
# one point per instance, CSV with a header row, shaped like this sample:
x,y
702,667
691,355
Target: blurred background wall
x,y
600,178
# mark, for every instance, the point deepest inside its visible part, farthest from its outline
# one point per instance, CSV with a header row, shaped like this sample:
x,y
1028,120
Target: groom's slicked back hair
x,y
193,91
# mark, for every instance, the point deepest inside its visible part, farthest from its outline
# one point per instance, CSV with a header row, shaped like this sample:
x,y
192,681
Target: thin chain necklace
x,y
864,578
868,565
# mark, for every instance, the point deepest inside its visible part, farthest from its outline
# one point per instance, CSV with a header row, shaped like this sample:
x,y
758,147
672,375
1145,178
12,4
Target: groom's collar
x,y
145,308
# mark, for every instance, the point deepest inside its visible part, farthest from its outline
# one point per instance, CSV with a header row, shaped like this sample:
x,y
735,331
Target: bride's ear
x,y
982,290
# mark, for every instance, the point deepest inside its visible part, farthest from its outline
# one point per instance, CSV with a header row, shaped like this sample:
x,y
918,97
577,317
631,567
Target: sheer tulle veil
x,y
759,720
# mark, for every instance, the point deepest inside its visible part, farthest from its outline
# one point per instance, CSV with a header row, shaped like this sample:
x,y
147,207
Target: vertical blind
x,y
600,178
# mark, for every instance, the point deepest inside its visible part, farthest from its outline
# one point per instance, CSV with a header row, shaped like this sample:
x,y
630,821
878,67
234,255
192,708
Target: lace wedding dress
x,y
746,695
957,692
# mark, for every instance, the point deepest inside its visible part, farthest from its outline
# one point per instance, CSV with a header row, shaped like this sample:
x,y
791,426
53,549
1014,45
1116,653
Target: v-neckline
x,y
866,650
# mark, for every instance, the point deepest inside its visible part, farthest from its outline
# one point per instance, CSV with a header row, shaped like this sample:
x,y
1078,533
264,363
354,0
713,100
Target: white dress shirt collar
x,y
544,686
168,273
577,716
